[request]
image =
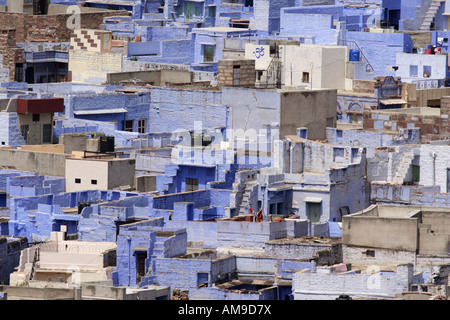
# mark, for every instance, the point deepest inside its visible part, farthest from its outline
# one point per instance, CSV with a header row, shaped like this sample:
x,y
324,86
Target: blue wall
x,y
381,49
136,106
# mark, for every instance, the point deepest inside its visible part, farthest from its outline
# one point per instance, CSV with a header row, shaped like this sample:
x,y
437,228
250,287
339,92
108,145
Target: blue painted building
x,y
10,249
35,217
45,62
381,49
208,44
128,109
139,245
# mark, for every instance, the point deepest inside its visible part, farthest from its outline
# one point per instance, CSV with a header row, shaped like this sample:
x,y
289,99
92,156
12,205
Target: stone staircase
x,y
403,168
248,191
158,251
430,14
271,78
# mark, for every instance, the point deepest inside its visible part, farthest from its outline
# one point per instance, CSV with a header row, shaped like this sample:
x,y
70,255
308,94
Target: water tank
x,y
354,55
106,144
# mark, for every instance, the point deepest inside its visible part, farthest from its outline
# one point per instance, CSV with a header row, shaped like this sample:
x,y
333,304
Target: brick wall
x,y
432,127
11,55
93,67
91,40
18,27
247,73
51,28
445,105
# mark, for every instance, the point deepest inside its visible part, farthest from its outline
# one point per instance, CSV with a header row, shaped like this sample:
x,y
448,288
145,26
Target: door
x,y
29,75
313,211
34,134
140,265
448,180
189,10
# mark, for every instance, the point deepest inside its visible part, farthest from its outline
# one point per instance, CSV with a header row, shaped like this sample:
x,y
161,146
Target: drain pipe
x,y
433,155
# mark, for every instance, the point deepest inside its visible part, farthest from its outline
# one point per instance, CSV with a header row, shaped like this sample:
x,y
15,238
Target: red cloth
x,y
250,211
259,216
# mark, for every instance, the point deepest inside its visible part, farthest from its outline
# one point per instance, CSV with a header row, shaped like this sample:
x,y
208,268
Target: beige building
x,y
24,6
99,174
91,57
252,109
396,233
314,66
64,262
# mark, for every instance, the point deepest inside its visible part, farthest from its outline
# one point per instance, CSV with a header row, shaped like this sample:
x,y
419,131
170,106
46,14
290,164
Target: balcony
x,y
46,56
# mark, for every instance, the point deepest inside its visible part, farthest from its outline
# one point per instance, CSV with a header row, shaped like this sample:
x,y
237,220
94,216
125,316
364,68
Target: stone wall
x,y
327,286
227,76
432,127
19,27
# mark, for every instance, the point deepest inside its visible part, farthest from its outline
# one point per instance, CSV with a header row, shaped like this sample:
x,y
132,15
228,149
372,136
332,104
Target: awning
x,y
100,111
312,199
112,2
392,101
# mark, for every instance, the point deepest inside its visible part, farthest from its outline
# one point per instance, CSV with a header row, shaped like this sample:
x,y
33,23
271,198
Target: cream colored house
x,y
63,263
99,174
314,66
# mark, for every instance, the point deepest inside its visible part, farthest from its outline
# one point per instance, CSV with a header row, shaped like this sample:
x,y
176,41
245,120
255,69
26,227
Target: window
x,y
236,75
142,123
413,71
18,76
426,71
355,152
36,117
272,208
189,10
180,10
197,11
47,133
128,125
24,130
280,206
77,180
202,279
370,253
212,12
329,122
314,211
191,184
338,154
305,77
415,173
208,53
93,181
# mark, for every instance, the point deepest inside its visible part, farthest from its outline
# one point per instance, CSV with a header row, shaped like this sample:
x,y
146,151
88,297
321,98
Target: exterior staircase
x,y
430,15
403,168
249,189
271,78
352,45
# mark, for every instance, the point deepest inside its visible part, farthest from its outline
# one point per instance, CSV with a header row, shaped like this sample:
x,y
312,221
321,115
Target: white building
x,y
426,70
314,66
99,174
